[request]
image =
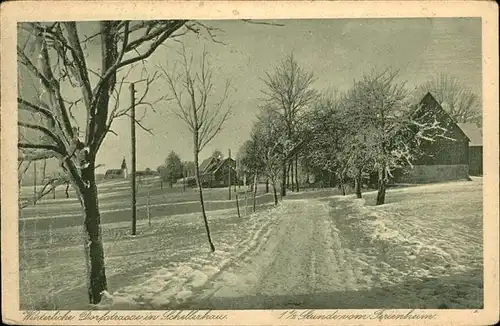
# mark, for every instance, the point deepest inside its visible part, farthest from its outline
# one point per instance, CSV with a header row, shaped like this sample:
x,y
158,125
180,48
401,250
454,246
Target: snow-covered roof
x,y
473,132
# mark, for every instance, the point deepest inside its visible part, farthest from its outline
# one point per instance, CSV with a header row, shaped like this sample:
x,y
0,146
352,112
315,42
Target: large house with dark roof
x,y
445,158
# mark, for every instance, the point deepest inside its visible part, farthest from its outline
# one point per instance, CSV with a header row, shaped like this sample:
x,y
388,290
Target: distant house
x,y
445,158
214,172
146,173
120,173
475,135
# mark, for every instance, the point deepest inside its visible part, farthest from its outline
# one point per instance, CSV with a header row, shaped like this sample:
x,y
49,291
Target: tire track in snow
x,y
302,257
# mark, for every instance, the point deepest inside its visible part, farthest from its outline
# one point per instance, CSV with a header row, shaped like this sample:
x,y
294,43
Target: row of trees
x,y
369,130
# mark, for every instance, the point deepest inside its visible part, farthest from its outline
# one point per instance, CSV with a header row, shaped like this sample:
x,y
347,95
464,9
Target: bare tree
x,y
204,119
461,103
269,139
62,66
288,90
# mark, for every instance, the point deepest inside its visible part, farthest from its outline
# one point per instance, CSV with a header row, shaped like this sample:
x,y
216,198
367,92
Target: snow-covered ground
x,y
425,245
423,249
163,265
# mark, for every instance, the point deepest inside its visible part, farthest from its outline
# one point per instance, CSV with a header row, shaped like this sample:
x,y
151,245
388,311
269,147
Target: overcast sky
x,y
336,51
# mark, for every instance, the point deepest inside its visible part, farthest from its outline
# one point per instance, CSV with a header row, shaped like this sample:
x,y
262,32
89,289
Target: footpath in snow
x,y
177,284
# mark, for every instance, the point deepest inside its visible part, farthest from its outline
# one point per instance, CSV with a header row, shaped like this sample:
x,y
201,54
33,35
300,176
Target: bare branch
x,y
34,108
139,124
34,156
203,120
167,31
81,66
257,22
59,145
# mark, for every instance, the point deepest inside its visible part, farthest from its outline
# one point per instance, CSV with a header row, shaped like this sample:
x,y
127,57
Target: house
x,y
120,173
475,147
214,172
444,159
147,173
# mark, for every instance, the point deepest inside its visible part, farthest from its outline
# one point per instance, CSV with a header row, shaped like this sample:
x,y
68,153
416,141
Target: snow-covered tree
x,y
172,170
379,107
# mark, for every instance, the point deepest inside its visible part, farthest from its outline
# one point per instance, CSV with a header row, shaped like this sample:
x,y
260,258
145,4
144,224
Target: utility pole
x,y
34,182
229,174
132,134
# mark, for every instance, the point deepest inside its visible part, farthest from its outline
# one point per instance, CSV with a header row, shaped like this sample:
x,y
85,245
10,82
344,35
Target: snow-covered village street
x,y
312,251
173,165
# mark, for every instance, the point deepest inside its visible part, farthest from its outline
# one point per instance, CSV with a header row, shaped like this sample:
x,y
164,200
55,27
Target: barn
x,y
475,147
214,172
444,159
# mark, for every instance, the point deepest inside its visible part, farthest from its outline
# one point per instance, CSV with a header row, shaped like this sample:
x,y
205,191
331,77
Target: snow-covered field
x,y
164,265
424,246
423,249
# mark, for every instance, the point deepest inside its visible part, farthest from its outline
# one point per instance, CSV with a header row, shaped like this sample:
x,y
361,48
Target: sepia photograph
x,y
300,165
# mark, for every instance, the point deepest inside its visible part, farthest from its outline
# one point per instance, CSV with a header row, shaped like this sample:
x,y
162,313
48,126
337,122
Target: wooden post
x,y
246,200
229,175
67,190
147,208
34,182
132,134
237,174
237,205
254,190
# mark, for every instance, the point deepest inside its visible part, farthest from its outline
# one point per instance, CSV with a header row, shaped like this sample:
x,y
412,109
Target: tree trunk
x,y
381,187
94,251
237,205
283,182
254,190
342,185
267,186
292,175
288,176
275,194
198,183
358,181
54,191
296,173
